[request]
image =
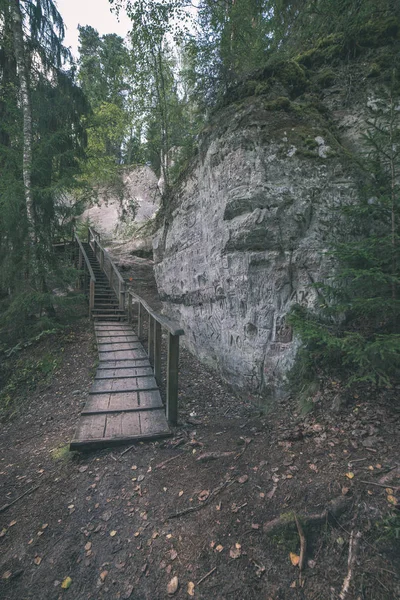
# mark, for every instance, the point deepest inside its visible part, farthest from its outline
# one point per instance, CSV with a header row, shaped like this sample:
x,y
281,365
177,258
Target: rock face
x,y
141,199
245,235
246,240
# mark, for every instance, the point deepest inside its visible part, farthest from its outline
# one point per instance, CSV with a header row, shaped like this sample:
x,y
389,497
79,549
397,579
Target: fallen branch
x,y
211,497
247,442
6,506
394,487
161,465
127,450
208,456
206,575
303,544
353,547
335,508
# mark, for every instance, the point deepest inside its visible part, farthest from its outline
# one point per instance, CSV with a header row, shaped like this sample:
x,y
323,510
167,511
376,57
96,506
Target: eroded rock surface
x,y
246,238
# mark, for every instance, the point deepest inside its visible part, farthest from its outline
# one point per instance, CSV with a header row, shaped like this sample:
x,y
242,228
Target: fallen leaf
x,y
219,548
12,523
243,479
235,551
203,495
7,575
311,563
190,588
272,492
392,500
350,475
83,469
103,575
66,583
389,491
294,559
255,526
180,493
45,525
140,478
173,554
345,491
3,532
218,506
313,468
37,560
113,533
88,546
293,584
173,585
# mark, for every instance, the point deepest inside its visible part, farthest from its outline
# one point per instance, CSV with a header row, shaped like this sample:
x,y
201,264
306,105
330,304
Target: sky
x,y
90,12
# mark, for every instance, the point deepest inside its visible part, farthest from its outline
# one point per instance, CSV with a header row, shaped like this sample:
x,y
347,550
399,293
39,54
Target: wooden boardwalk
x,y
124,403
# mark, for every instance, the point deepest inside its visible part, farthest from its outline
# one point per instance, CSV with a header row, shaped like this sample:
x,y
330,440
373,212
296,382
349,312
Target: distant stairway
x,y
106,306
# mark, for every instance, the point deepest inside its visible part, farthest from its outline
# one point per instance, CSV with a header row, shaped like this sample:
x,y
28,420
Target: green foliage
x,y
355,333
22,377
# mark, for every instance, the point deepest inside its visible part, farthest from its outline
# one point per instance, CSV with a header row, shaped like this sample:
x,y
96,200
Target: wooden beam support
x,y
157,351
172,378
150,340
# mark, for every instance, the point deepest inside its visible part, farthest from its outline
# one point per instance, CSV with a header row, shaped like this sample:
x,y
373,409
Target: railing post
x,y
129,308
91,297
121,294
172,378
157,351
88,236
150,339
140,321
102,260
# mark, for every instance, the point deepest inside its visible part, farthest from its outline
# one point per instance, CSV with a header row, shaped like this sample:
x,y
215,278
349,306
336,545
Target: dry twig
x,y
213,494
206,575
353,547
165,462
303,543
6,506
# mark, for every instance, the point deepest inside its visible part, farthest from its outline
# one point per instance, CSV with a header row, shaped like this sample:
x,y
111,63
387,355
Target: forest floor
x,y
131,521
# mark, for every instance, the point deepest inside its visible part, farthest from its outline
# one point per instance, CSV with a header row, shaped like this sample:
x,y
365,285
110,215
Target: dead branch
x,y
161,465
127,450
303,544
6,506
394,487
213,494
206,575
335,508
353,547
208,456
247,442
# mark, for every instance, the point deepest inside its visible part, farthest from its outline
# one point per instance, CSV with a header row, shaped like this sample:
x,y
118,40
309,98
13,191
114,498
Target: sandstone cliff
x,y
244,234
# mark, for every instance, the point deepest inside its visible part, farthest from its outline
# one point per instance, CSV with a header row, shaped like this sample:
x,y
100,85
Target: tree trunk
x,y
23,76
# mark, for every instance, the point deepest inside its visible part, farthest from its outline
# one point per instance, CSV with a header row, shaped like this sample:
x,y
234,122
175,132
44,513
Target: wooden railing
x,y
156,323
89,278
114,277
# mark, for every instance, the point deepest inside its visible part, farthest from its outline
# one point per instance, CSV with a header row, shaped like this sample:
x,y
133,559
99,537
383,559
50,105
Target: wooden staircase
x,y
124,403
106,304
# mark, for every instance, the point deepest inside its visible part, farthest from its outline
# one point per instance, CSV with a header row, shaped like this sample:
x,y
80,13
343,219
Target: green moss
x,y
379,32
280,103
292,76
326,50
325,78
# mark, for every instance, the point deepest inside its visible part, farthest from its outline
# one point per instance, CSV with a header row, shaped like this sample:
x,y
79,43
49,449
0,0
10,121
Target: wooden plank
x,y
91,427
97,402
122,425
118,346
118,373
128,384
122,354
103,443
123,364
113,338
150,398
153,422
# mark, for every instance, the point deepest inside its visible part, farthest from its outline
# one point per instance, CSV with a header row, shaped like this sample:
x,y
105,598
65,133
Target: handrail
x,y
165,322
88,266
85,256
155,323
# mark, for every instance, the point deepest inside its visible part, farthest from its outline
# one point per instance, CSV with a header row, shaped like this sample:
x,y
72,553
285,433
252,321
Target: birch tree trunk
x,y
23,76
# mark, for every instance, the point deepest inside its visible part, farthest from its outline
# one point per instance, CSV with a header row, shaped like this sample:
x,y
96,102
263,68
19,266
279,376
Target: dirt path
x,y
106,519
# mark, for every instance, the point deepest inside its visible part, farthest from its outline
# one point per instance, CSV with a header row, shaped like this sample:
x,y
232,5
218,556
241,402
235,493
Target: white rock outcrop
x,y
245,239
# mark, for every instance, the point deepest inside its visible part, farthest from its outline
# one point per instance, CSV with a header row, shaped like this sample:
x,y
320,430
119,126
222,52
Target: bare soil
x,y
109,520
